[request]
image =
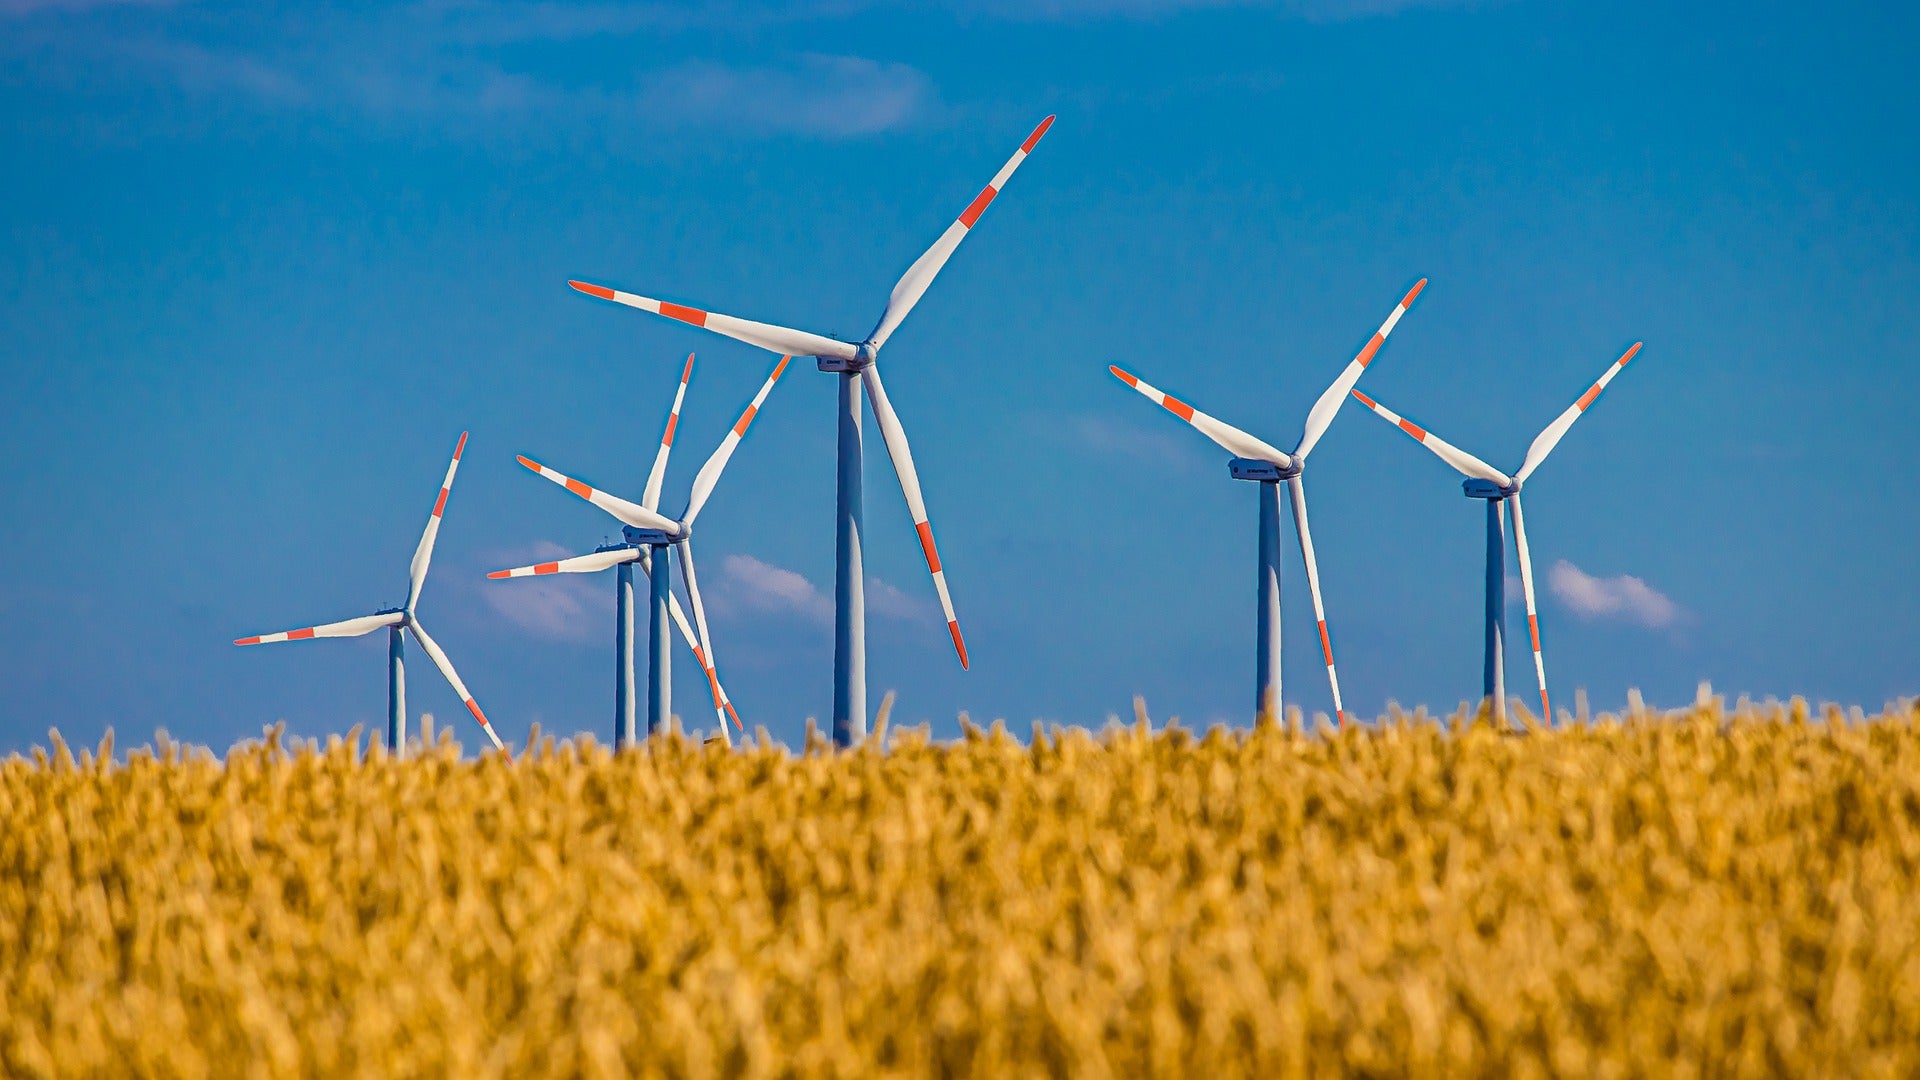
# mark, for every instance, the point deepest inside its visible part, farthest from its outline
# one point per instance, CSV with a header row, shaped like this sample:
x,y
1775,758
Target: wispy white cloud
x,y
833,96
1622,596
561,607
750,586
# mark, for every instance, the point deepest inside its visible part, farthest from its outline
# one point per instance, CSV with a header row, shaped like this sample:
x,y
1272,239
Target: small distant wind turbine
x,y
622,556
1497,488
1259,461
855,363
397,620
646,527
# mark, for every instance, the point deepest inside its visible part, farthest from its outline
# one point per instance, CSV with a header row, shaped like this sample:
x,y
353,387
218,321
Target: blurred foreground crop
x,y
1701,894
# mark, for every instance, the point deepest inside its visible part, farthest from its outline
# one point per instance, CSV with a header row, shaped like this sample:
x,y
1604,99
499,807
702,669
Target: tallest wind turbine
x,y
856,364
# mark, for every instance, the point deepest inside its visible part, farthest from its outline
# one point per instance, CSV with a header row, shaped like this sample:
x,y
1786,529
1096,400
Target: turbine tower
x,y
646,528
1483,481
401,619
622,557
1259,461
855,363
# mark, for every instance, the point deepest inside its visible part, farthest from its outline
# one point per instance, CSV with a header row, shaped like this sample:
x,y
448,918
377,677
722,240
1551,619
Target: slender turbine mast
x,y
1259,461
1499,490
856,364
646,528
401,619
622,557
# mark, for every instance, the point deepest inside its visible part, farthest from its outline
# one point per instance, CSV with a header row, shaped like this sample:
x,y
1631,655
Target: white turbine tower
x,y
622,557
1483,481
1257,460
855,362
646,527
401,619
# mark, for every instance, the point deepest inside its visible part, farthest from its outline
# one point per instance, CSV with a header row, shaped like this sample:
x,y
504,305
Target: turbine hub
x,y
650,537
862,359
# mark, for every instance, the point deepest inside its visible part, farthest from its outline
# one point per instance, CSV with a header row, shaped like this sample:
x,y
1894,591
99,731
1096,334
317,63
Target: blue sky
x,y
260,265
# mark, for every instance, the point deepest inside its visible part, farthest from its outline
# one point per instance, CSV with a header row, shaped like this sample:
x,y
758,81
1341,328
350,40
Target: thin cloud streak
x,y
748,586
1619,597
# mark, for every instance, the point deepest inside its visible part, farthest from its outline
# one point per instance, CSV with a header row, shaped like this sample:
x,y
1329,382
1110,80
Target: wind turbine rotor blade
x,y
439,658
1463,463
1299,495
366,624
684,548
1533,618
902,455
630,513
913,284
1325,409
1225,435
709,474
650,498
579,564
423,555
1544,443
772,338
679,616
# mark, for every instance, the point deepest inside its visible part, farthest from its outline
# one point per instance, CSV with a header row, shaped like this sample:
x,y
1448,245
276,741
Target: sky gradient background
x,y
261,264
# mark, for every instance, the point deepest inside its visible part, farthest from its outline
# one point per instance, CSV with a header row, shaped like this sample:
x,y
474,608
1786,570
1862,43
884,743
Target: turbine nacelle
x,y
855,364
652,537
1255,469
1477,488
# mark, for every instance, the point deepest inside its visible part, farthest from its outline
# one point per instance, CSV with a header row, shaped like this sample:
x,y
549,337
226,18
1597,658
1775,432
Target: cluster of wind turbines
x,y
653,541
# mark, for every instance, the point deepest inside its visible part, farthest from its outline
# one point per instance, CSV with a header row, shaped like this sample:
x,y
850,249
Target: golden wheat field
x,y
1696,894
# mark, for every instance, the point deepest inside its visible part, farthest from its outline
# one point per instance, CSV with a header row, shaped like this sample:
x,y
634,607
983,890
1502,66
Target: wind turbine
x,y
855,362
645,527
622,556
401,619
1497,488
1259,461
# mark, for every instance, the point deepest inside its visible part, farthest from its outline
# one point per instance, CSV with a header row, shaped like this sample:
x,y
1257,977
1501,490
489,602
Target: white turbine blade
x,y
772,338
631,513
1544,443
1533,618
685,550
693,642
913,284
1225,435
423,555
902,455
366,624
1299,494
1329,404
709,474
439,658
1464,463
579,564
650,498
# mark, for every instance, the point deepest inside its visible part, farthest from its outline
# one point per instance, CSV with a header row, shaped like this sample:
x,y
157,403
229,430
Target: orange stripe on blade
x,y
1033,140
926,545
474,708
579,488
1586,399
1413,429
592,290
740,426
979,206
300,635
1123,376
461,447
1533,626
959,643
1373,346
1177,407
1326,646
684,314
440,504
1365,400
547,568
247,641
673,421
